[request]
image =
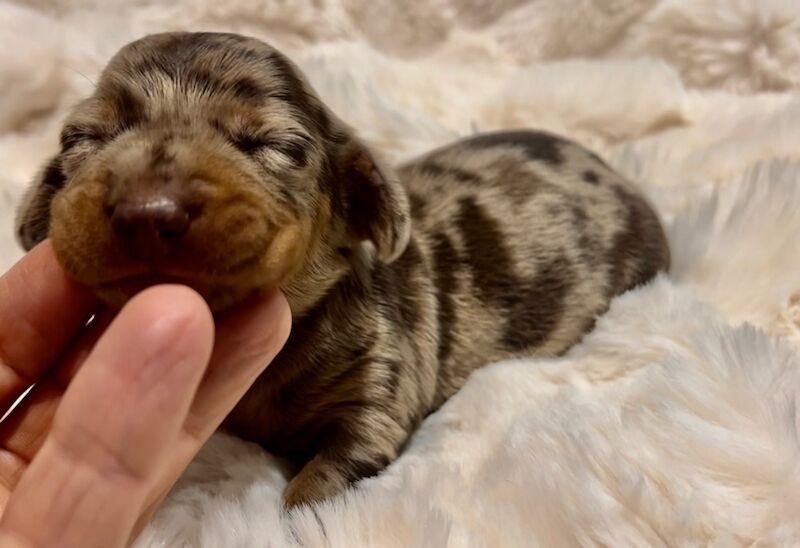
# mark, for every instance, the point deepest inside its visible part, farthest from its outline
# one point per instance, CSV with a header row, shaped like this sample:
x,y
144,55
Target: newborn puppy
x,y
206,159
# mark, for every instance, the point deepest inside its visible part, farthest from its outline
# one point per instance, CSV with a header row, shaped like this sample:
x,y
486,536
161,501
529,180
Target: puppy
x,y
206,159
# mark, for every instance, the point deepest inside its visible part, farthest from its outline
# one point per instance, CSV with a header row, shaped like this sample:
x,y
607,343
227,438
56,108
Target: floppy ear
x,y
33,214
375,205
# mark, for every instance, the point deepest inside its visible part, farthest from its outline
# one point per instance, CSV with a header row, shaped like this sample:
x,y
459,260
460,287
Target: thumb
x,y
115,426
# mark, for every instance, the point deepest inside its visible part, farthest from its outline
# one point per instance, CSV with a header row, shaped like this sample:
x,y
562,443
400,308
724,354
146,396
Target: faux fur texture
x,y
675,422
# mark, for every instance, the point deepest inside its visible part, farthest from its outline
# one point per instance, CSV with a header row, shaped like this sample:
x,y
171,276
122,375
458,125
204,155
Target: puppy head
x,y
206,159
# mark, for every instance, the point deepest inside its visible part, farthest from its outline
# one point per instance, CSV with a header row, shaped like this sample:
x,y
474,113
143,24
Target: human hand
x,y
120,407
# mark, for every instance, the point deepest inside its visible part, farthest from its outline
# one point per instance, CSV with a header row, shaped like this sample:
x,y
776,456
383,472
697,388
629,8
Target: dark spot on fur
x,y
366,205
591,177
539,304
166,65
160,155
130,108
640,249
417,204
53,175
487,252
405,267
247,90
36,224
519,183
445,263
537,145
532,308
201,82
394,370
395,286
588,242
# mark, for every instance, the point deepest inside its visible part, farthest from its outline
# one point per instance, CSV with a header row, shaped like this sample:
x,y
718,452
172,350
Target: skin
x,y
119,407
401,280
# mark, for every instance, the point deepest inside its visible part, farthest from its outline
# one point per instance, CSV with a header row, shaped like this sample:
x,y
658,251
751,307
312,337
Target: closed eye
x,y
249,144
294,148
73,136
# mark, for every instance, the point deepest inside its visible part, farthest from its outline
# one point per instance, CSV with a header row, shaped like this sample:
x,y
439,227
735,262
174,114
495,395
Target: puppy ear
x,y
33,214
376,207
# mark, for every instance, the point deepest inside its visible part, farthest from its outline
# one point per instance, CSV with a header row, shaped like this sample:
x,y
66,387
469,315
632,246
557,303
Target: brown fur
x,y
401,283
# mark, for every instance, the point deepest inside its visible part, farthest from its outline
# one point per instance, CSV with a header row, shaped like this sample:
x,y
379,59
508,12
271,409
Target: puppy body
x,y
519,241
401,283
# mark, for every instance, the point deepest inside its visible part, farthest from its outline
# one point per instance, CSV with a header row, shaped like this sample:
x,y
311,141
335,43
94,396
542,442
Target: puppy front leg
x,y
352,450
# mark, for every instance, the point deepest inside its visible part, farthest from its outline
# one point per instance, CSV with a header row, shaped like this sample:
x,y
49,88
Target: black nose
x,y
149,227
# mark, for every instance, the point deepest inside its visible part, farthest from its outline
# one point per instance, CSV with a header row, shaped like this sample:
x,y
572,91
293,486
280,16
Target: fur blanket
x,y
675,423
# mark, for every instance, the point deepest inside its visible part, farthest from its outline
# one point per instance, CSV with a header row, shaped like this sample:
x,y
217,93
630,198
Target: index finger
x,y
41,310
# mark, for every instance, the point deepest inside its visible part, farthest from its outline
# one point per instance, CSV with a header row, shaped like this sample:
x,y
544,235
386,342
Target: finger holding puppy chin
x,y
118,440
115,426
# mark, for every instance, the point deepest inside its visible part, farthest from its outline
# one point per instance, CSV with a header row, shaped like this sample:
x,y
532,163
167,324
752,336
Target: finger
x,y
115,426
23,432
41,310
245,345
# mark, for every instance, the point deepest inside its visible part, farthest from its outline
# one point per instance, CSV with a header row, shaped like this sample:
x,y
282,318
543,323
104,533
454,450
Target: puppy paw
x,y
317,481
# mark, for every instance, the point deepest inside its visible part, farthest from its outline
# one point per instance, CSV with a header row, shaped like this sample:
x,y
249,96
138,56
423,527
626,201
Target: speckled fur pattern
x,y
395,276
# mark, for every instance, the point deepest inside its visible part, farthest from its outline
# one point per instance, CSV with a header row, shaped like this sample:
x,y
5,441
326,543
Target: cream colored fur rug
x,y
675,423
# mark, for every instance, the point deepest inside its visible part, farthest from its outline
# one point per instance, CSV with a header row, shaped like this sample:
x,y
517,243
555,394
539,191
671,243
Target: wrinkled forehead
x,y
210,74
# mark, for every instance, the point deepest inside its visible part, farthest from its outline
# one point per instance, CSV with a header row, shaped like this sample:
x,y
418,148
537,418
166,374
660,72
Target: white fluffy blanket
x,y
675,422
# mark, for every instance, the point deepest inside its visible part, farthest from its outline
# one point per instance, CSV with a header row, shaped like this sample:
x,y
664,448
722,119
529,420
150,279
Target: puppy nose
x,y
151,226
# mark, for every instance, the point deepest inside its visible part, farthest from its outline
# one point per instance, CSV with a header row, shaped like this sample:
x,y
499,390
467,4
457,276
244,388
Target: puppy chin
x,y
115,278
220,299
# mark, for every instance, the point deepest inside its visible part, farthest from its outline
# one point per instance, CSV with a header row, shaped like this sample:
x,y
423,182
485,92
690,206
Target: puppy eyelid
x,y
293,146
295,149
244,142
249,143
72,136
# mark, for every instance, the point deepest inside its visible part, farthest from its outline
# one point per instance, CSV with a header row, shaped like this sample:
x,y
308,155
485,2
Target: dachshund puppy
x,y
207,159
